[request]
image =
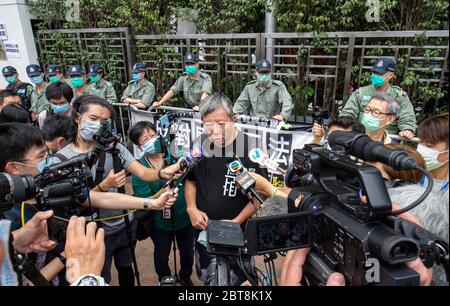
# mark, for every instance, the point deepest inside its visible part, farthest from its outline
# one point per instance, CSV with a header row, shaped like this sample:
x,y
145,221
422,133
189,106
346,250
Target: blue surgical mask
x,y
46,162
11,80
136,77
377,80
371,123
89,129
191,70
62,108
37,80
153,146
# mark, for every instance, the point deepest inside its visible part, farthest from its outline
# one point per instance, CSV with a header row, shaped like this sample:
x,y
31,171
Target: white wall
x,y
16,17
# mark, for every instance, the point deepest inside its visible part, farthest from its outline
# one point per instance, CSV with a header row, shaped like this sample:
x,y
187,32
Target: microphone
x,y
258,156
244,180
188,163
362,147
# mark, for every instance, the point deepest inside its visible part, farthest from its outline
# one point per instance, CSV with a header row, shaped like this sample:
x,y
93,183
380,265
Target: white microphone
x,y
258,156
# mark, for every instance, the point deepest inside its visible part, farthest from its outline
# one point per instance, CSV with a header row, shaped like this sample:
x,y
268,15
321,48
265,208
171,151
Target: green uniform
x,y
274,100
103,89
144,92
143,189
406,118
76,94
39,101
193,89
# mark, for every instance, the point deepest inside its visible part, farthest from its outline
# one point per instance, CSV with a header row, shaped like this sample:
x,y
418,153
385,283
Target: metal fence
x,y
317,69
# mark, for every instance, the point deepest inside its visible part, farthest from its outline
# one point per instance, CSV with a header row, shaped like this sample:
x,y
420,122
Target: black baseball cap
x,y
94,69
263,66
33,70
138,67
75,70
190,58
383,65
53,70
9,70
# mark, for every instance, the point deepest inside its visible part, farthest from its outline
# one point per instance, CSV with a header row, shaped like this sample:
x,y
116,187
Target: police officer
x,y
264,97
24,90
99,86
78,80
382,73
139,92
55,74
194,84
39,101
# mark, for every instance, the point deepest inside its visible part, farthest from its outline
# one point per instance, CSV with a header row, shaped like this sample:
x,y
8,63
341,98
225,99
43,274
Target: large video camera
x,y
61,187
349,234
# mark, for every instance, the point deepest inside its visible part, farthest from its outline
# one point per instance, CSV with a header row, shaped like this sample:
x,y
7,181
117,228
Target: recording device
x,y
319,115
62,187
347,232
258,156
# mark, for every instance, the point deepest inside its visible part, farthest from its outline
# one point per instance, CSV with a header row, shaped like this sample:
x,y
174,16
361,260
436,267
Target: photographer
x,y
433,212
144,135
89,112
59,131
344,123
210,190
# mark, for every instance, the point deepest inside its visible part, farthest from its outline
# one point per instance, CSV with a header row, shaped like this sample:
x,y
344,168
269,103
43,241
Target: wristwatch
x,y
146,203
90,280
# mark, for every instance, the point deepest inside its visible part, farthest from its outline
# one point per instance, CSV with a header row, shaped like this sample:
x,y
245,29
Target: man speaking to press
x,y
211,191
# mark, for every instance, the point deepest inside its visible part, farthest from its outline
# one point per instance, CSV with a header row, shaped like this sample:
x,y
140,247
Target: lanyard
x,y
444,187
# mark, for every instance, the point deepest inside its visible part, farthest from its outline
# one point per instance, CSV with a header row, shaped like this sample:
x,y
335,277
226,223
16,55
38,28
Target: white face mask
x,y
431,157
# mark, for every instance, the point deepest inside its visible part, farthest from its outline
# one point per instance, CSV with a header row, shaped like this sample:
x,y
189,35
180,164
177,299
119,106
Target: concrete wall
x,y
16,17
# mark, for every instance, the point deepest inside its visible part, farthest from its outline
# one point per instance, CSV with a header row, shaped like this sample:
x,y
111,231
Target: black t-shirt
x,y
217,193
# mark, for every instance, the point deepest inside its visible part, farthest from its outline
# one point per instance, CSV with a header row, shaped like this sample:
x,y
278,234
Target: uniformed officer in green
x,y
193,83
78,81
140,92
382,73
23,89
264,97
55,74
99,86
38,99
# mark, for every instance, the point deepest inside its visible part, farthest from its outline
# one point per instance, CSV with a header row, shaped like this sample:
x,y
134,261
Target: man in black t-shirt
x,y
211,191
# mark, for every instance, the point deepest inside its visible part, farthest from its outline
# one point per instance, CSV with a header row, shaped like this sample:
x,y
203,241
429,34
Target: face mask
x,y
89,129
136,77
11,80
53,79
153,146
41,165
371,123
95,79
191,70
36,80
264,79
77,82
62,108
377,81
431,157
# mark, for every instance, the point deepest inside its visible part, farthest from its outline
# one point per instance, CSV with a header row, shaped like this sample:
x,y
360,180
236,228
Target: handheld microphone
x,y
362,147
186,164
258,156
244,180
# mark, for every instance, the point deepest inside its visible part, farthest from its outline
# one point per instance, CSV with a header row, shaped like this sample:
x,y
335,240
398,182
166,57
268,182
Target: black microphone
x,y
362,147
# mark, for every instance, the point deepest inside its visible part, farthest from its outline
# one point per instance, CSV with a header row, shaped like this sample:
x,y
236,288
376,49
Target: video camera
x,y
349,233
61,187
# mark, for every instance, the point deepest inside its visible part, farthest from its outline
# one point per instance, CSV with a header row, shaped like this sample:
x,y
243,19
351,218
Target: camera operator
x,y
144,135
59,131
88,113
433,212
210,190
344,123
